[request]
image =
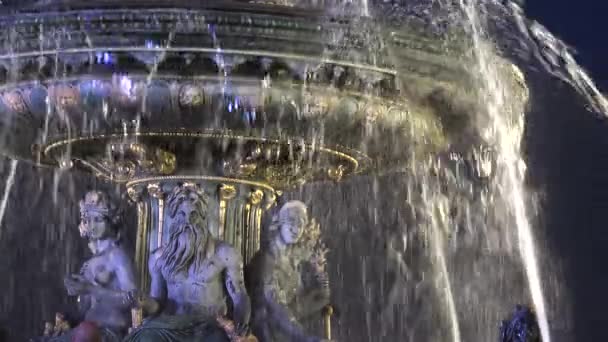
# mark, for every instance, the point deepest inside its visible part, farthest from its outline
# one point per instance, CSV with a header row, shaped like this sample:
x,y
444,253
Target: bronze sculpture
x,y
287,277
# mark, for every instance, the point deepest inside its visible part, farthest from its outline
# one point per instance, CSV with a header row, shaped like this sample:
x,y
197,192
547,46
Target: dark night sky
x,y
568,152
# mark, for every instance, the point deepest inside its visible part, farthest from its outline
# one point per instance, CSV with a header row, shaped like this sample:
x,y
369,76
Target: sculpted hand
x,y
318,260
76,285
233,334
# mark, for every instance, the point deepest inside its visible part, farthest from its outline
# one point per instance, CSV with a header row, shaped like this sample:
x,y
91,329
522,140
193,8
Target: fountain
x,y
400,123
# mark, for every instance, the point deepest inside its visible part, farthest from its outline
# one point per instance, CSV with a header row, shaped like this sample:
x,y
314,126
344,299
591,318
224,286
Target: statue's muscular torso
x,y
202,290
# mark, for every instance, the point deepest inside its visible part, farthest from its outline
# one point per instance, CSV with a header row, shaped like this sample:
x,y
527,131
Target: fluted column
x,y
156,192
142,250
226,193
252,229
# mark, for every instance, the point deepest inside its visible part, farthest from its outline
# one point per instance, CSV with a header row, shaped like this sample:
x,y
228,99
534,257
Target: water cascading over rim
x,y
241,99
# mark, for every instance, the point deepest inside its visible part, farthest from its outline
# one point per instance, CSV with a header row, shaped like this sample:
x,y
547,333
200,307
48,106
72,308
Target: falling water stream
x,y
505,132
437,207
10,180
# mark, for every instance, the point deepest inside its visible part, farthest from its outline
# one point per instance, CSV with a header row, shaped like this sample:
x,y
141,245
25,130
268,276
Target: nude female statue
x,y
275,278
105,284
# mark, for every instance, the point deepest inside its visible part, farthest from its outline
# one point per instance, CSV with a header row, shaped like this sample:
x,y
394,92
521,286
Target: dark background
x,y
568,155
582,25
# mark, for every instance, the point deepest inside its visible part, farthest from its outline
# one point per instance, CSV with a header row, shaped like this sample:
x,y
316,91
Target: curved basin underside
x,y
274,94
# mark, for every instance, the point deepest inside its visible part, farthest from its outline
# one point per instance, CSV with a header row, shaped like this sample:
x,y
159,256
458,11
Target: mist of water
x,y
8,185
505,132
436,206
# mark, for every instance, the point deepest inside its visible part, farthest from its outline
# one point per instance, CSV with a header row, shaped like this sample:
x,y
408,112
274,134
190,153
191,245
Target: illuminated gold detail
x,y
258,227
155,190
328,311
200,178
134,194
128,162
167,161
255,197
161,221
137,317
252,218
247,231
192,186
269,200
141,246
247,169
211,134
336,174
226,193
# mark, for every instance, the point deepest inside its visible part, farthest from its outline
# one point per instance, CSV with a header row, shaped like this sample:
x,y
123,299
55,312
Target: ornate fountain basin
x,y
247,96
266,93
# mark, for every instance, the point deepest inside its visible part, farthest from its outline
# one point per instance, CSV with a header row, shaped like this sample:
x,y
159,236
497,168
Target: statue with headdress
x,y
190,274
287,278
105,285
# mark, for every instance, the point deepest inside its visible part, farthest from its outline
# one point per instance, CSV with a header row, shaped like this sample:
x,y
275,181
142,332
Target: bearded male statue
x,y
190,275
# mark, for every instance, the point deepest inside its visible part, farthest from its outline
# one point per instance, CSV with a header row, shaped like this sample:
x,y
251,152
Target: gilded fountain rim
x,y
208,134
218,179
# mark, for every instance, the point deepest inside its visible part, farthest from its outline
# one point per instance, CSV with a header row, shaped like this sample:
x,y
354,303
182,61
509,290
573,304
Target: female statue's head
x,y
98,217
293,219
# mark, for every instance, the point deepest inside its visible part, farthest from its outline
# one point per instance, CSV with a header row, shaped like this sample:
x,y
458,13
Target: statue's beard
x,y
186,246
